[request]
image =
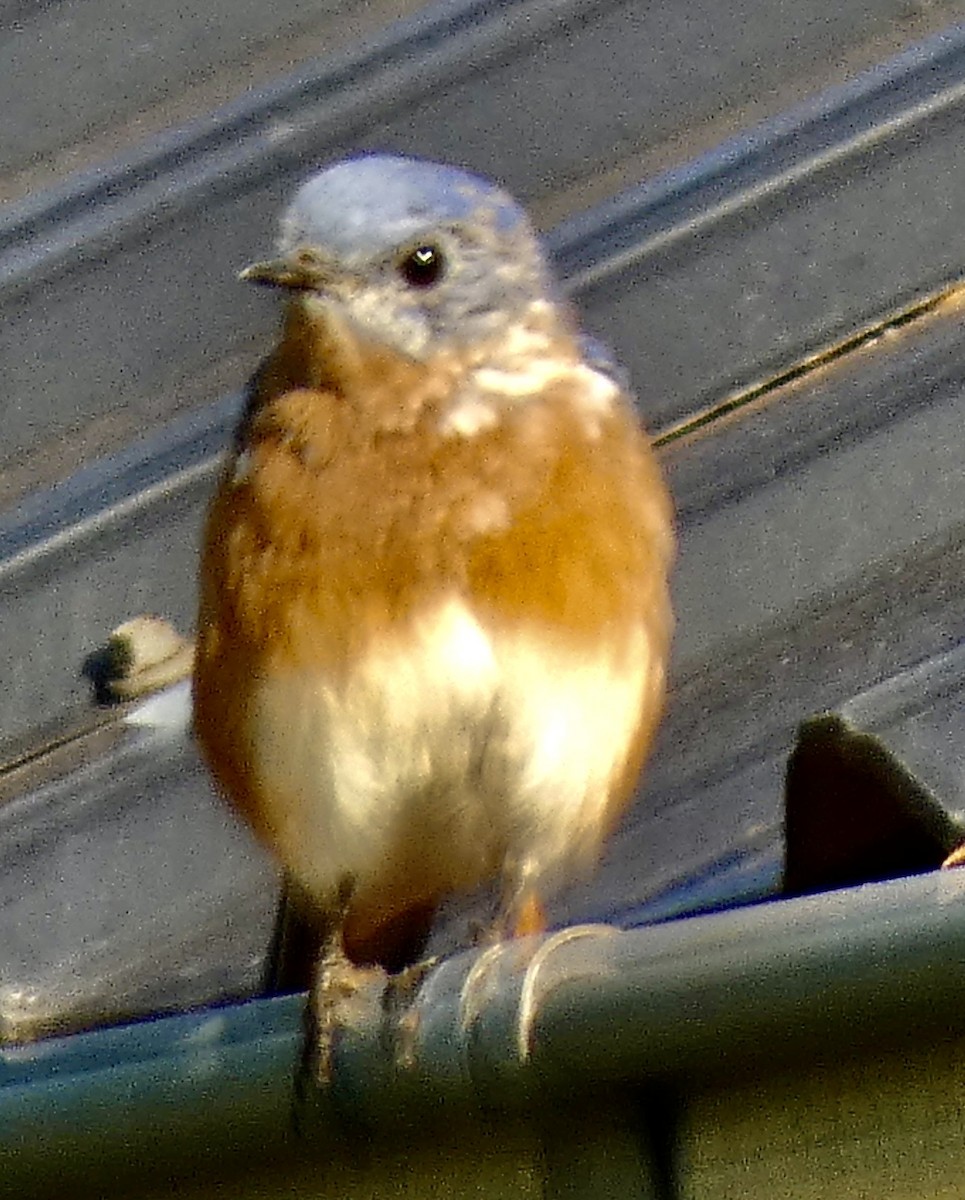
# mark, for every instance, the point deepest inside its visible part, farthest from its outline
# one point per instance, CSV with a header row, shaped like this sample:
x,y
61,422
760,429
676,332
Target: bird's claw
x,y
401,1016
336,1001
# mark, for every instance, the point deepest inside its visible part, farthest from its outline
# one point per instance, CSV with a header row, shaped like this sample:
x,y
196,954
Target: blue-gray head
x,y
416,255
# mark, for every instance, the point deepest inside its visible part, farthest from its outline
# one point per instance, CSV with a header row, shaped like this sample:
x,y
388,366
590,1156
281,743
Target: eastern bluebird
x,y
434,615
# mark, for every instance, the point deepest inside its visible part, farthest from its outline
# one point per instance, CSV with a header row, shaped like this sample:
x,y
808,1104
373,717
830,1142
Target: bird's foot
x,y
337,1000
956,858
521,917
401,1016
401,988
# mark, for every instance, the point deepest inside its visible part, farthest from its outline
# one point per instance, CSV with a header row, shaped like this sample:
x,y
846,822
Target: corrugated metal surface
x,y
734,203
800,520
116,293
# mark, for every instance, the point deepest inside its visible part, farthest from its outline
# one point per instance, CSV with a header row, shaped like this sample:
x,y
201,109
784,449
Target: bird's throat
x,y
326,351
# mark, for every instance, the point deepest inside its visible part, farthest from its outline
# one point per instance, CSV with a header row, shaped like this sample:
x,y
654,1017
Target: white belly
x,y
453,755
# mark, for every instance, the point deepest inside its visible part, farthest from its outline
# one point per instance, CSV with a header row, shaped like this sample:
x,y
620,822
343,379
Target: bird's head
x,y
413,256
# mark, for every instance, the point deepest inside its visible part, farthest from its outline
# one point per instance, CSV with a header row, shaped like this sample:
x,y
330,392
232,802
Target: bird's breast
x,y
370,772
424,658
446,750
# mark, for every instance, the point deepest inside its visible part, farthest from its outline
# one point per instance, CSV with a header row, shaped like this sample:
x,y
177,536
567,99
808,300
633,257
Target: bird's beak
x,y
283,273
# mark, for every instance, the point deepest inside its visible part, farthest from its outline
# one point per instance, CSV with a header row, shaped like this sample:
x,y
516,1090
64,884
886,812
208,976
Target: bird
x,y
434,611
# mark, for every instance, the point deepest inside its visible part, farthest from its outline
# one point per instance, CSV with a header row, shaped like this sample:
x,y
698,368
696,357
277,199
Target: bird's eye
x,y
423,267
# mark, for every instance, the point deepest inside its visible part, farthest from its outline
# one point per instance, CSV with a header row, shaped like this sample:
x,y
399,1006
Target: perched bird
x,y
434,614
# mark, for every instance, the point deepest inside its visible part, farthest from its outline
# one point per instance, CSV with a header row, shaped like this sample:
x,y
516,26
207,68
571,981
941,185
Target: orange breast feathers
x,y
429,656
